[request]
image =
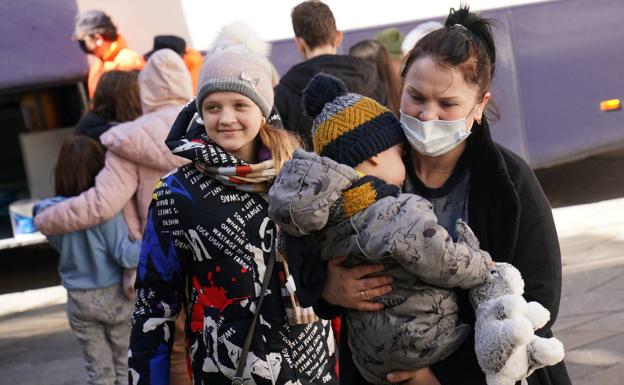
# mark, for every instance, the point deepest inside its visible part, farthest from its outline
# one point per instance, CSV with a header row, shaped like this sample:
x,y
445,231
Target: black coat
x,y
511,216
359,75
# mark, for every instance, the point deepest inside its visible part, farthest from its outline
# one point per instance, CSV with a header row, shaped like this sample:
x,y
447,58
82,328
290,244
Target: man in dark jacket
x,y
318,39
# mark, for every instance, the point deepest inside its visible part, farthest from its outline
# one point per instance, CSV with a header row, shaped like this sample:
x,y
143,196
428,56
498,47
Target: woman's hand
x,y
350,288
422,376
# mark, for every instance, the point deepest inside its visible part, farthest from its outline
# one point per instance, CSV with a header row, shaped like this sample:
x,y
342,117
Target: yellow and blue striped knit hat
x,y
348,128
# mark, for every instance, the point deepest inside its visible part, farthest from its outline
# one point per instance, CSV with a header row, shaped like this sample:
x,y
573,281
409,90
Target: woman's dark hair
x,y
80,160
465,42
377,53
116,96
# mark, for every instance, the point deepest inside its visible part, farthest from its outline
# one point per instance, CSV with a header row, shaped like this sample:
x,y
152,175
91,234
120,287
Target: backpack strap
x,y
238,377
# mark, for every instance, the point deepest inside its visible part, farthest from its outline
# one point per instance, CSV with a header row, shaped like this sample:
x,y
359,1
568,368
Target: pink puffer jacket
x,y
136,158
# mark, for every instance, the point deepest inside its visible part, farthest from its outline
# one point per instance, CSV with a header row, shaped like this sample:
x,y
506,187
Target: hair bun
x,y
459,16
477,27
321,89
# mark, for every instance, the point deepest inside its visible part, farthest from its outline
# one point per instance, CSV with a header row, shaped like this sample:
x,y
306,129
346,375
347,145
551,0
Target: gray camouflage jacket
x,y
419,325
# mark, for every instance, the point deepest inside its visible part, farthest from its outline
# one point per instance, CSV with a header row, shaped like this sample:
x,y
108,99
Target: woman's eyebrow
x,y
412,89
451,98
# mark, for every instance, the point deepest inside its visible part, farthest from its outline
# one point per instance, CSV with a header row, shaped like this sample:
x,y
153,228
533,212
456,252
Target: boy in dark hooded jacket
x,y
318,39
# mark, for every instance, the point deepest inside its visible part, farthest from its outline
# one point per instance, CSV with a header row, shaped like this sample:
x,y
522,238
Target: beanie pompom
x,y
321,89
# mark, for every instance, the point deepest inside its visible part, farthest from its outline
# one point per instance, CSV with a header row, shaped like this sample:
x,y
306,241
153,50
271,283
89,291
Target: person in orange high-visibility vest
x,y
97,35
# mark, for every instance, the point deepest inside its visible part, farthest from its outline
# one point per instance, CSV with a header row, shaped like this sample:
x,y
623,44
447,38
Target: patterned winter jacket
x,y
361,218
205,247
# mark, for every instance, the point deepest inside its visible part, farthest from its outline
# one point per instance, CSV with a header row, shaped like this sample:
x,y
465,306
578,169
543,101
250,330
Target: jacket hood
x,y
304,191
164,80
143,140
359,75
187,139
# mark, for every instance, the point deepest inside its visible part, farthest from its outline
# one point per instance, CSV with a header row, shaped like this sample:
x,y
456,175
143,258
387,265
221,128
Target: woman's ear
x,y
481,107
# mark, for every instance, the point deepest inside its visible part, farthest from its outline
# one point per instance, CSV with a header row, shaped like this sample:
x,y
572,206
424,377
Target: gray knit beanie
x,y
235,68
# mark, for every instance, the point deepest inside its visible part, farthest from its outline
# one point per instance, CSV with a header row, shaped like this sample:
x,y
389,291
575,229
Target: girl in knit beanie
x,y
237,76
209,244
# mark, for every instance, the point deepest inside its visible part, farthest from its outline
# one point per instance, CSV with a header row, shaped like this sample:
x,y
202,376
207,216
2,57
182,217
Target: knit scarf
x,y
243,177
213,161
360,195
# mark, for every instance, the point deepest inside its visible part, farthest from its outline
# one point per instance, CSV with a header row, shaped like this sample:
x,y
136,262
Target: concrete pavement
x,y
591,316
37,348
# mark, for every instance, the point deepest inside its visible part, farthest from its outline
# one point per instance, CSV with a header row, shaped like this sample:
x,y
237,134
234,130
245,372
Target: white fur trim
x,y
239,32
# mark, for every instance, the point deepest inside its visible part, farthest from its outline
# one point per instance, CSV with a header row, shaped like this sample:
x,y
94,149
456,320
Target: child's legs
x,y
118,326
92,337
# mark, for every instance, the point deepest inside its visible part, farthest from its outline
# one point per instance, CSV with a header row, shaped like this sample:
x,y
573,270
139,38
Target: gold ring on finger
x,y
363,294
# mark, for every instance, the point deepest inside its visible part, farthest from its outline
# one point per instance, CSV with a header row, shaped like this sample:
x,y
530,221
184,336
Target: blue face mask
x,y
434,137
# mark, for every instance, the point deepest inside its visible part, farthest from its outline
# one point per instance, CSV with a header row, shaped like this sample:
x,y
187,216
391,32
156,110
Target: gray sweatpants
x,y
100,318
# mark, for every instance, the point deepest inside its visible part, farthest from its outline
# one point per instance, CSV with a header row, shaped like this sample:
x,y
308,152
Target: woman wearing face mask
x,y
453,162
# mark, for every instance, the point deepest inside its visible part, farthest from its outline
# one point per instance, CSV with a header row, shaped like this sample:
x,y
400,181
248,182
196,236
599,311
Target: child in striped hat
x,y
347,194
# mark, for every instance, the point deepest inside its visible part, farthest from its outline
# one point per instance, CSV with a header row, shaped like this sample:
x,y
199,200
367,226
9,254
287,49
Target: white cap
x,y
418,33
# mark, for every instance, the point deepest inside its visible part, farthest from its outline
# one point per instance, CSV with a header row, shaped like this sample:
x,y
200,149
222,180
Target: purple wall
x,y
36,45
556,61
569,57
